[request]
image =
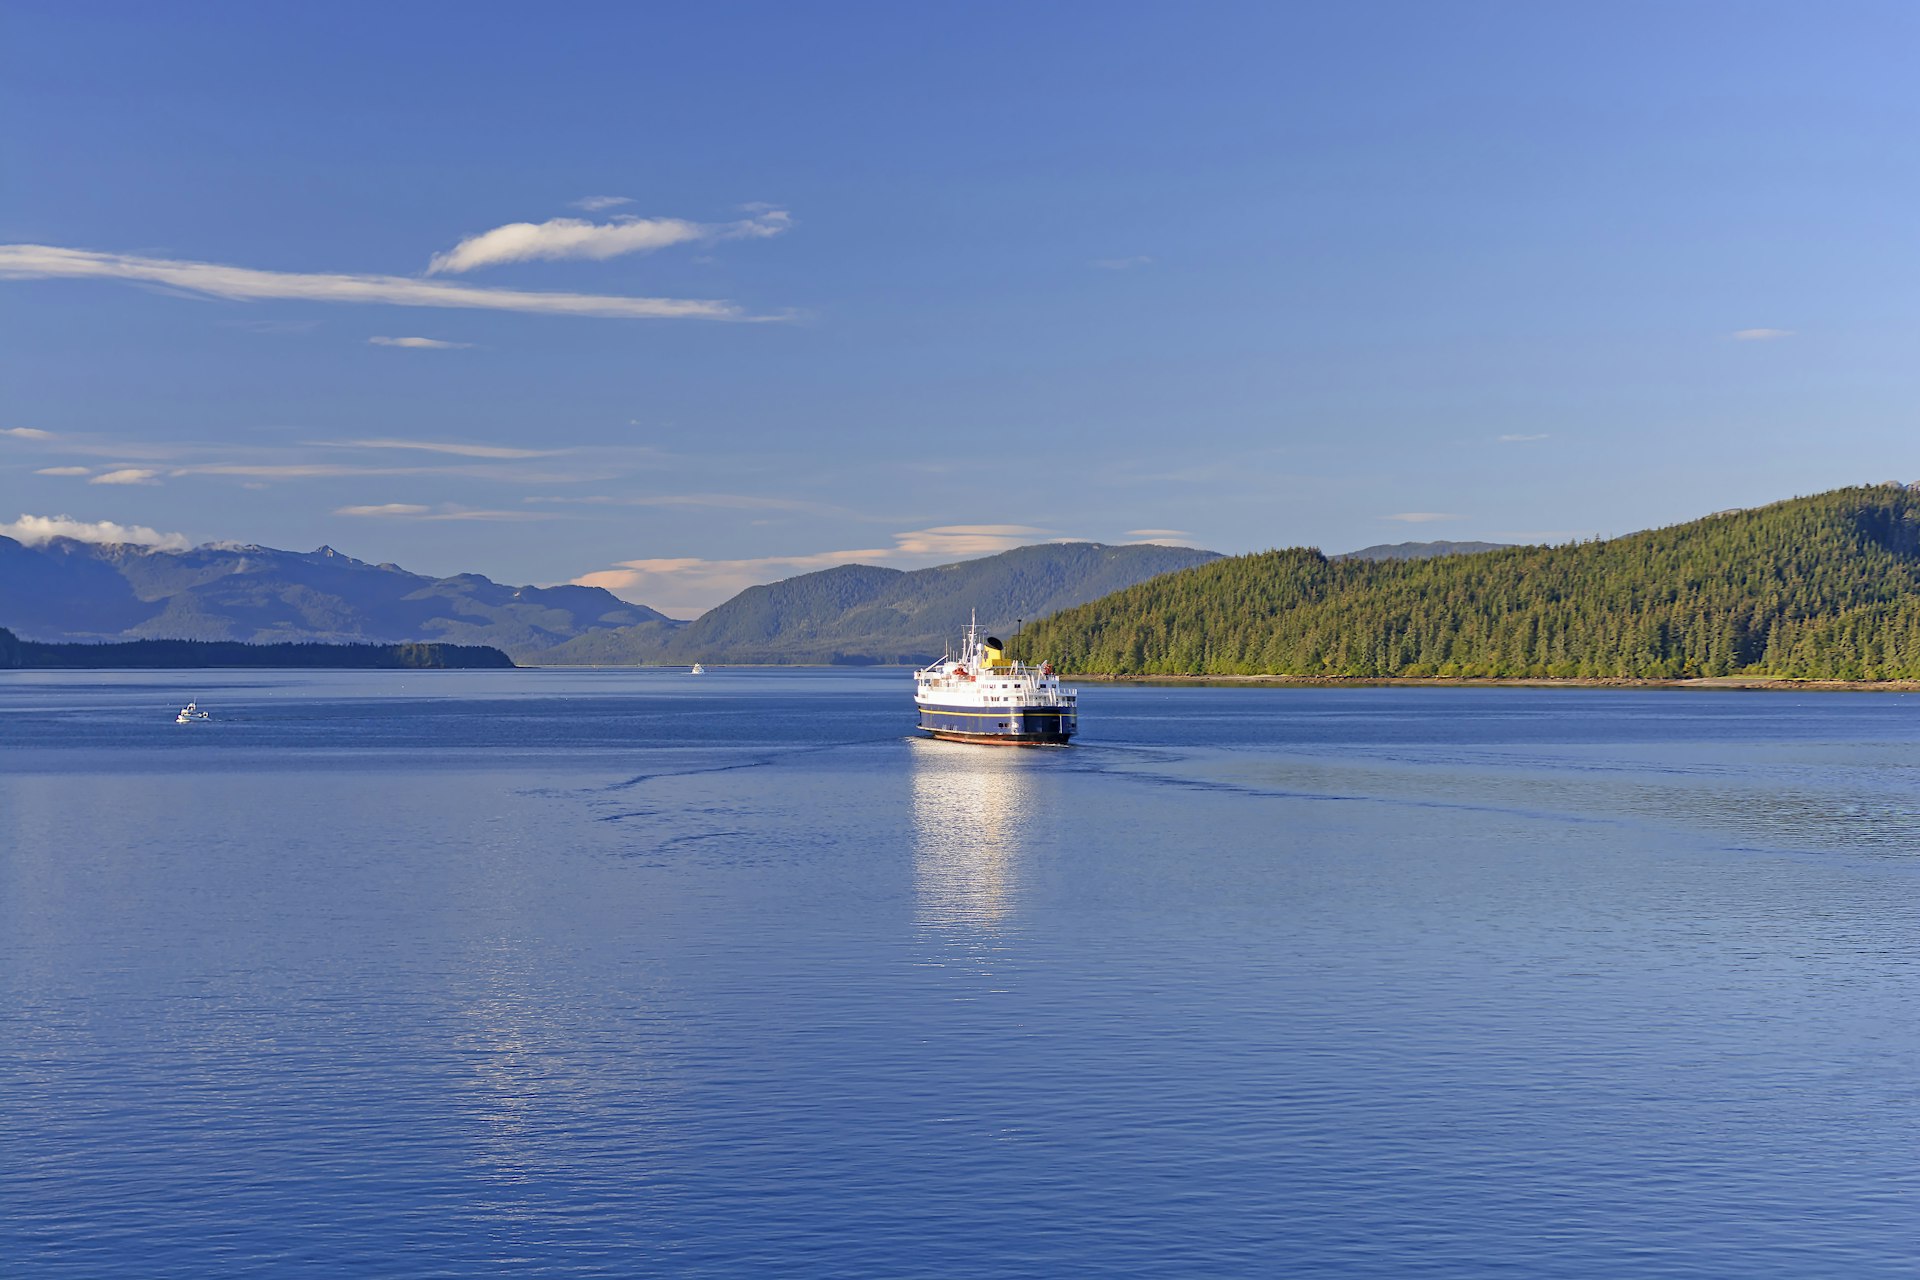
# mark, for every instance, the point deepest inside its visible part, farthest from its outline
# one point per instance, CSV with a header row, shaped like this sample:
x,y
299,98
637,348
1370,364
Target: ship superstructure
x,y
983,695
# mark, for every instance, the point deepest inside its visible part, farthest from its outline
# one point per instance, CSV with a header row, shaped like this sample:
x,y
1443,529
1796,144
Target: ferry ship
x,y
985,696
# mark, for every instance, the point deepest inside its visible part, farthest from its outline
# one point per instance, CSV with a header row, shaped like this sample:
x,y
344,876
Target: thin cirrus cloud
x,y
36,530
965,540
598,204
344,470
124,462
247,284
26,433
438,446
577,238
709,501
686,586
1760,335
296,470
384,509
420,344
1421,517
127,475
446,511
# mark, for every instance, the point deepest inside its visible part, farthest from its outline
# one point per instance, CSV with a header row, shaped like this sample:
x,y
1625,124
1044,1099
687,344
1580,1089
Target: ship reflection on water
x,y
970,813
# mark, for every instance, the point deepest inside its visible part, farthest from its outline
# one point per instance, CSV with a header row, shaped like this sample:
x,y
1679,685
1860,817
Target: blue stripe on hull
x,y
1009,724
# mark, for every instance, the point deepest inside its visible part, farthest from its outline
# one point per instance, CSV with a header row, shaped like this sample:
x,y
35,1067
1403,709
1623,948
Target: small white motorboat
x,y
698,670
191,713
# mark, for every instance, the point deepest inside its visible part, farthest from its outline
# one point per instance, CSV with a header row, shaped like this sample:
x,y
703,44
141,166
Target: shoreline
x,y
1765,684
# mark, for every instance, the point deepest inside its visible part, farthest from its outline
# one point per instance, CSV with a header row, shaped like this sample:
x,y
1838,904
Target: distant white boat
x,y
698,670
190,713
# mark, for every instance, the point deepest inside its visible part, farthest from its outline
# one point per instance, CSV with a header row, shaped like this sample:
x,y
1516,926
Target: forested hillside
x,y
1820,587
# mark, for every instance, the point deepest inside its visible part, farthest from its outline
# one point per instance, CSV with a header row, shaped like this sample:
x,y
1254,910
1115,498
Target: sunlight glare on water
x,y
970,806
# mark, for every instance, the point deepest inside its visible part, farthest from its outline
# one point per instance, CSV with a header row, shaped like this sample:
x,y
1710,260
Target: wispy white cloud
x,y
578,238
1760,335
246,284
1158,533
445,511
442,446
508,516
26,433
384,509
1421,517
1523,439
129,461
124,452
1122,264
34,530
420,344
737,502
966,540
597,204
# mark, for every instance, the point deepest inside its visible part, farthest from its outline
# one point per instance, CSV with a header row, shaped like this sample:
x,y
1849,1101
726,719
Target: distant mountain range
x,y
65,590
859,613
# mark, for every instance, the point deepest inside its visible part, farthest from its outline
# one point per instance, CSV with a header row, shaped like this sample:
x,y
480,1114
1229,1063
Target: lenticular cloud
x,y
36,530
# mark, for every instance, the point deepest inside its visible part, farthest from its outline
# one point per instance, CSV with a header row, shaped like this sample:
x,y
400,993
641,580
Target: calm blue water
x,y
630,973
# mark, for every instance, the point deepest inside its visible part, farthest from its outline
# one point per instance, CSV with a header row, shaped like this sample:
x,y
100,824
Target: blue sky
x,y
904,284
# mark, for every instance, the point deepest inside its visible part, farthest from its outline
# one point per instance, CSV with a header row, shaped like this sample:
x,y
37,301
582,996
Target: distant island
x,y
18,654
1821,588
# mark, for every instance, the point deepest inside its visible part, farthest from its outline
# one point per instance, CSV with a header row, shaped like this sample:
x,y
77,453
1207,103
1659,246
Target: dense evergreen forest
x,y
16,653
1824,587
